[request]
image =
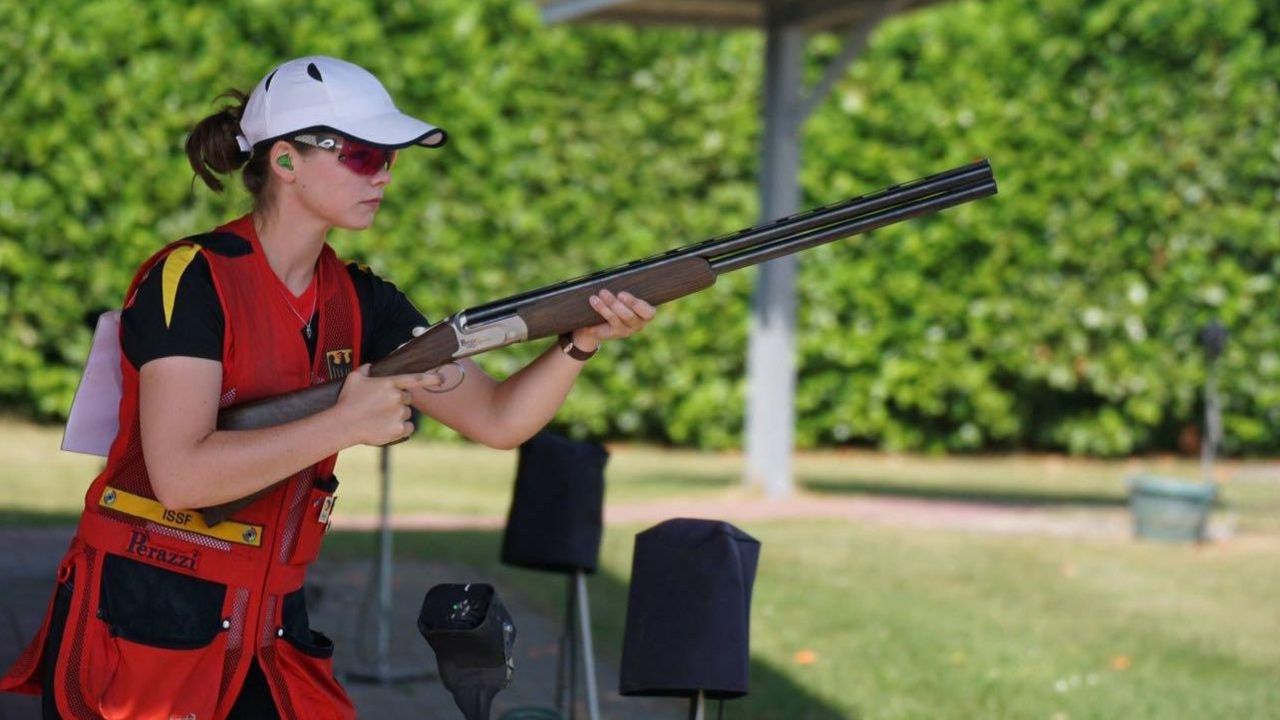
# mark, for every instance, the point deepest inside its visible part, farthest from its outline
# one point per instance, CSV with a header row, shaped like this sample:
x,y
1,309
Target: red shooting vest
x,y
167,613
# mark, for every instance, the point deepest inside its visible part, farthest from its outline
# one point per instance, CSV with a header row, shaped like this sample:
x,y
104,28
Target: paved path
x,y
26,576
960,515
896,511
27,568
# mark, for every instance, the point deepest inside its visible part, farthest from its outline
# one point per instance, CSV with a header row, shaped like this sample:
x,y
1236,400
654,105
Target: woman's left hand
x,y
624,314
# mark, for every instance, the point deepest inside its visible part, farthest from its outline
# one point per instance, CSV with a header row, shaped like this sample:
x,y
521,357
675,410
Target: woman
x,y
158,615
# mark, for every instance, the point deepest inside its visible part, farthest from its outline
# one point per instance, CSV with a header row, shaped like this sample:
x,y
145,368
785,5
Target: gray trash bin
x,y
1170,509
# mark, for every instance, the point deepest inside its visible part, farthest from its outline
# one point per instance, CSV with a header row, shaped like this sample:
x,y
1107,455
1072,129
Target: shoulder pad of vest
x,y
222,243
352,265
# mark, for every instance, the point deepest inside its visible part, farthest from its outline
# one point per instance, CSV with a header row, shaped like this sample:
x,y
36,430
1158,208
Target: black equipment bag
x,y
557,507
689,609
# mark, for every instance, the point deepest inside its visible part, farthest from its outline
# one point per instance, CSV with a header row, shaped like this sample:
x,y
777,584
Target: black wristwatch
x,y
568,348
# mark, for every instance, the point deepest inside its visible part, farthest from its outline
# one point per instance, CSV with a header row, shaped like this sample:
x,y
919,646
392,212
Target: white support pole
x,y
771,361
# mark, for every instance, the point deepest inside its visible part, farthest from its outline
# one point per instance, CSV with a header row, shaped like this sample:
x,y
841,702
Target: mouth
x,y
375,202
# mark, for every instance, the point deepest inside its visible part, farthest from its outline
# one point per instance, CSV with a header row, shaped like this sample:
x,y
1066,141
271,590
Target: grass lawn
x,y
469,479
876,622
859,621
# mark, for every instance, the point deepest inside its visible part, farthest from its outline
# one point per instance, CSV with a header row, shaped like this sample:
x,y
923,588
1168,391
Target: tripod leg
x,y
381,577
560,658
571,650
383,667
562,652
698,707
584,635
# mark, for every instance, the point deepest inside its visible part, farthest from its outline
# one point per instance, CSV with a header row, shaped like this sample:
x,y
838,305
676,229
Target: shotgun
x,y
562,307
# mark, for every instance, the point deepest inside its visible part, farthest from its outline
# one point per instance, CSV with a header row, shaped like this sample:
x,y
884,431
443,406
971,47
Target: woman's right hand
x,y
376,409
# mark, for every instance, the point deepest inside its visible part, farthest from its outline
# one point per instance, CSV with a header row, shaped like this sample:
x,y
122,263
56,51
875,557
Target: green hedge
x,y
1135,142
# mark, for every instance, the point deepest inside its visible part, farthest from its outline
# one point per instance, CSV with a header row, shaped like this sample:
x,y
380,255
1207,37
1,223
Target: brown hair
x,y
212,148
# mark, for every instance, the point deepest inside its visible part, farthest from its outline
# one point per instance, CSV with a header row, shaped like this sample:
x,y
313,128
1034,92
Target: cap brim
x,y
394,130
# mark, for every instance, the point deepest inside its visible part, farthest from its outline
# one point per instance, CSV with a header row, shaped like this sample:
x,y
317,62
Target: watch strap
x,y
568,348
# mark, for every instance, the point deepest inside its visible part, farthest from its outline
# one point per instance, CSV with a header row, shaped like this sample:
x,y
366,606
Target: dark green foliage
x,y
1135,142
1136,146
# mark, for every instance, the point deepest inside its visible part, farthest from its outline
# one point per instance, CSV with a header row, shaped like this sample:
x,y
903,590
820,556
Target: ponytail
x,y
212,148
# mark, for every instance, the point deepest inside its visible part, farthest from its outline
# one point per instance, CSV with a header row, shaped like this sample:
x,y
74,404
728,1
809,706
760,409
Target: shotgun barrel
x,y
753,237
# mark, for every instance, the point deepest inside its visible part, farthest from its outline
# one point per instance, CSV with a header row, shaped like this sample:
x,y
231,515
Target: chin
x,y
356,222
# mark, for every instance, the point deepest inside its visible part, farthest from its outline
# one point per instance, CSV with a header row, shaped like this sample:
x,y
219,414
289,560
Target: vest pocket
x,y
297,627
310,683
315,521
157,607
155,682
162,641
305,659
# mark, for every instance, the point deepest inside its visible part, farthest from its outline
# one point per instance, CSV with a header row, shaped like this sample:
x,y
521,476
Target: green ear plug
x,y
284,162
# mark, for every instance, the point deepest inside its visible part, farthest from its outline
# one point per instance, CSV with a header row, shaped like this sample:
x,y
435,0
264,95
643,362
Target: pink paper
x,y
95,411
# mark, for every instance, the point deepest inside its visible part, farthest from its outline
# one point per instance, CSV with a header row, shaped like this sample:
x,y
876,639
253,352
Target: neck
x,y
292,246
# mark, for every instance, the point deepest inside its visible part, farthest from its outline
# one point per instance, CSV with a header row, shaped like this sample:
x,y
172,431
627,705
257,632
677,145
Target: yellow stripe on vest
x,y
175,263
189,520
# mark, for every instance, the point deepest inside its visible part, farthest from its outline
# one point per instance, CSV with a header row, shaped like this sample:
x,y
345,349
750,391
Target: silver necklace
x,y
306,321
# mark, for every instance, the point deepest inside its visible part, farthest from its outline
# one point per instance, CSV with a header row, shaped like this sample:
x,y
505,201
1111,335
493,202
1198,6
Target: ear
x,y
282,161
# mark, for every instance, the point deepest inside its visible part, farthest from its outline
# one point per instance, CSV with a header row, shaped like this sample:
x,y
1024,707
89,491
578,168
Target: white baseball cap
x,y
318,92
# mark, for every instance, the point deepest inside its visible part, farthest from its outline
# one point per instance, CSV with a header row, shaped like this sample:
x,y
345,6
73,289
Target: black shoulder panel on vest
x,y
223,243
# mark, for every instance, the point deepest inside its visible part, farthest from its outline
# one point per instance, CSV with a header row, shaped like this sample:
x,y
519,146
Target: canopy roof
x,y
811,15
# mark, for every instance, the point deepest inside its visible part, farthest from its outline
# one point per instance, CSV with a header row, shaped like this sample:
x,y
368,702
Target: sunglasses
x,y
360,158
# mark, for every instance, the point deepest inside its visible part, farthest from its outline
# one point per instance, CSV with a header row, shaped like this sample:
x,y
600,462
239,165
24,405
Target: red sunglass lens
x,y
365,159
